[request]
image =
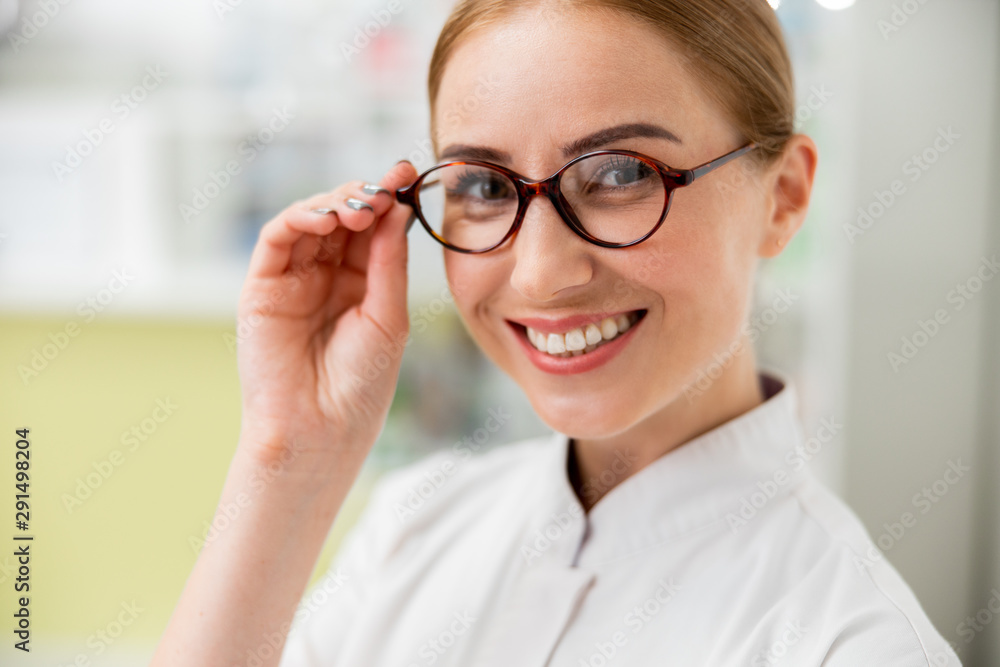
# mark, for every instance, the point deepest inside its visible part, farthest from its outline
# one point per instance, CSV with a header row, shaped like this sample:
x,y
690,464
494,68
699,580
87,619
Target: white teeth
x,y
555,344
608,328
581,340
575,340
533,337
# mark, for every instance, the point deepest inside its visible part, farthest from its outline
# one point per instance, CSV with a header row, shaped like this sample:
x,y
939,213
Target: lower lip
x,y
578,364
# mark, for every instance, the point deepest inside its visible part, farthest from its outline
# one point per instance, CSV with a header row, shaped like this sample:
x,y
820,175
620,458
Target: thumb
x,y
385,299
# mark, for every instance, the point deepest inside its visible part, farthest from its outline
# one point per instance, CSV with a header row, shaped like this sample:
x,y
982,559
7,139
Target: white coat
x,y
725,551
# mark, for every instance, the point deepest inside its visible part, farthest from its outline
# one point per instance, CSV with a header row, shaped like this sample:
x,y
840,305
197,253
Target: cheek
x,y
712,236
471,284
456,271
701,267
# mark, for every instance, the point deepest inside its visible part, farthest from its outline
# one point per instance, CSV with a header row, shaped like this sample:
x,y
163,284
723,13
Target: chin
x,y
581,418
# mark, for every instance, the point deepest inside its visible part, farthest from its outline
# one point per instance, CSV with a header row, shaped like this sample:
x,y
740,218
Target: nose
x,y
549,258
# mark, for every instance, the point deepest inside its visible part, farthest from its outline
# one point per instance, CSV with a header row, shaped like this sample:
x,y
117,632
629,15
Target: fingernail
x,y
402,161
357,204
321,211
370,189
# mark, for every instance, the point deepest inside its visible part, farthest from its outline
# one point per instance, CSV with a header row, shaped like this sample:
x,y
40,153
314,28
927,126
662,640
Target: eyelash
x,y
626,161
614,162
464,180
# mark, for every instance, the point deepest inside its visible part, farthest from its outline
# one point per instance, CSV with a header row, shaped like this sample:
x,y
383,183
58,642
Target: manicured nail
x,y
370,189
322,211
357,204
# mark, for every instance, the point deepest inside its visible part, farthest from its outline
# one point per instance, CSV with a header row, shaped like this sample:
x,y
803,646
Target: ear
x,y
790,181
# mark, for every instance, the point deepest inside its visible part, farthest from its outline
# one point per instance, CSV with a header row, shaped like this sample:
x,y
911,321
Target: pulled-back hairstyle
x,y
735,47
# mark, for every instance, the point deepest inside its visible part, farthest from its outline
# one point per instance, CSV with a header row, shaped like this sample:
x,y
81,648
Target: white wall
x,y
938,70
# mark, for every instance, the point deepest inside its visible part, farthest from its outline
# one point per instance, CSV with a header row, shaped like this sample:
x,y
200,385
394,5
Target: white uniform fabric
x,y
704,557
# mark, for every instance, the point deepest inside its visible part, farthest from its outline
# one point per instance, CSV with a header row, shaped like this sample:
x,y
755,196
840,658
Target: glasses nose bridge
x,y
547,187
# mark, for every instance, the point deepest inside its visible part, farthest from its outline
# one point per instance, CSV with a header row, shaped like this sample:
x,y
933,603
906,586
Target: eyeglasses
x,y
611,198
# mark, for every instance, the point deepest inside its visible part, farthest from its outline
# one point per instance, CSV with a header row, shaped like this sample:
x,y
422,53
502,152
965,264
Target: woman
x,y
664,521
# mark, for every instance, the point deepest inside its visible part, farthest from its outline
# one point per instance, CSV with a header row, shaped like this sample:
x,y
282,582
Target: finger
x,y
385,299
273,251
358,249
350,205
332,246
402,173
356,204
327,250
357,253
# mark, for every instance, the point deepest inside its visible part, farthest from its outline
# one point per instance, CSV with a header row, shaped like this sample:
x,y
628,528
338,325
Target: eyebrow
x,y
590,142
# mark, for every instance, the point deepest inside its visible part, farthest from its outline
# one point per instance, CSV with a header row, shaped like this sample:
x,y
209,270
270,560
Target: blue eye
x,y
620,171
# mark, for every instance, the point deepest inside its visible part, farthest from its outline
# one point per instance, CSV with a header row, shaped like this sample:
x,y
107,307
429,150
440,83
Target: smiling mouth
x,y
582,340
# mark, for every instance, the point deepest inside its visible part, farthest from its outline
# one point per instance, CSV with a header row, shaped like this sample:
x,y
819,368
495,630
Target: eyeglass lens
x,y
614,198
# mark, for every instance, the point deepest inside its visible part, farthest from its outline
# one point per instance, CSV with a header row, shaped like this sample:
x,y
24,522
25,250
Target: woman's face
x,y
529,87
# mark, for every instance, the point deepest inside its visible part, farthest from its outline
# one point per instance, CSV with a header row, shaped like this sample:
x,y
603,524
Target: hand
x,y
322,322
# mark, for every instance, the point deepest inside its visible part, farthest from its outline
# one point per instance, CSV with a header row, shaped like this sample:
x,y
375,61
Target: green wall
x,y
129,540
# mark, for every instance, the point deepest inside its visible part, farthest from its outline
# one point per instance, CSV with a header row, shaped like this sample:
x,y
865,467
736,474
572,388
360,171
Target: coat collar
x,y
715,479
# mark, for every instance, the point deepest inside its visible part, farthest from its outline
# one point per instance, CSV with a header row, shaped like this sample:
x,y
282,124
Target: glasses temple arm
x,y
718,162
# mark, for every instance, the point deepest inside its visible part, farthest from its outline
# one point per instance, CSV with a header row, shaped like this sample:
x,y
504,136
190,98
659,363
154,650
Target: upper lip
x,y
564,324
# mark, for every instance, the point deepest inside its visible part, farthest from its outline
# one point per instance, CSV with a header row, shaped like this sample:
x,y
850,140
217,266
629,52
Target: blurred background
x,y
142,146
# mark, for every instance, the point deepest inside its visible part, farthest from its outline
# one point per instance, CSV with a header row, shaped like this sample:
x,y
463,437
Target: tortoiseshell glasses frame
x,y
550,187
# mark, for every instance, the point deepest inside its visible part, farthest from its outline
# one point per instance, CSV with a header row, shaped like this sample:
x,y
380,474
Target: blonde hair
x,y
735,46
